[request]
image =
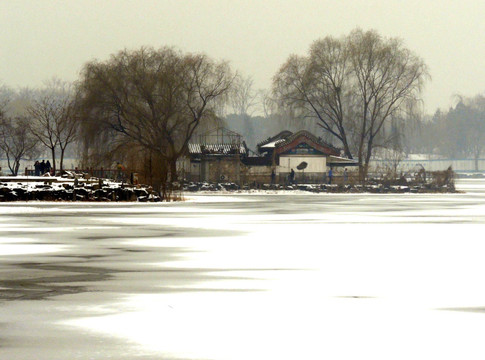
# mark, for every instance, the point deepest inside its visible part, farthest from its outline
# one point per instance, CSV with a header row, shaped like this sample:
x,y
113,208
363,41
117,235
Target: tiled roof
x,y
311,137
271,144
338,160
286,137
217,149
280,136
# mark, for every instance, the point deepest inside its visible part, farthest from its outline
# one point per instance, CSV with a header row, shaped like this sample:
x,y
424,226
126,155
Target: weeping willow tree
x,y
154,99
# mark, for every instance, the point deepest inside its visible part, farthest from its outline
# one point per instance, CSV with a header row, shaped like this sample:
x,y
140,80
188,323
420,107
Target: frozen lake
x,y
246,277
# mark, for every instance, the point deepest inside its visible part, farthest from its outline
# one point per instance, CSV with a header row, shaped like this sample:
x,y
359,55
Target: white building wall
x,y
316,164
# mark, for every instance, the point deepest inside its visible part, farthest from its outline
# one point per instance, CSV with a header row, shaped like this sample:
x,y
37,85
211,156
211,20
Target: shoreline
x,y
62,190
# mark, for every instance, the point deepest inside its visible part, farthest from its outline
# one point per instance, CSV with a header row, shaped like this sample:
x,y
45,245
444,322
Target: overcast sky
x,y
40,39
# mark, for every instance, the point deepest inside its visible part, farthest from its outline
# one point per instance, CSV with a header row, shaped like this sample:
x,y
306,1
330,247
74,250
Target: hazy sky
x,y
40,39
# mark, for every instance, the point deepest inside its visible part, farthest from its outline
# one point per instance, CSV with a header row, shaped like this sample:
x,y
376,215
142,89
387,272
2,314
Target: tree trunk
x,y
361,164
61,162
173,170
477,156
17,166
53,165
361,173
163,178
345,144
368,156
347,149
11,166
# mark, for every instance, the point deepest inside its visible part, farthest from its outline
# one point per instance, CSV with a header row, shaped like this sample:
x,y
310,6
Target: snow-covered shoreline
x,y
48,188
65,189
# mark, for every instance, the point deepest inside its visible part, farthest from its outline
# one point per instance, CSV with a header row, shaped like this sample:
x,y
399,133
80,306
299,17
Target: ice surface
x,y
265,276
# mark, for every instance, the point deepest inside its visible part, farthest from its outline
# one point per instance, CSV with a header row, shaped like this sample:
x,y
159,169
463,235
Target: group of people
x,y
41,168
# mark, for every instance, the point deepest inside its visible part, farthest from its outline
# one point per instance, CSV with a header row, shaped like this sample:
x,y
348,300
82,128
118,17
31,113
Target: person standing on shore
x,y
48,167
330,176
37,168
42,167
292,177
119,169
346,176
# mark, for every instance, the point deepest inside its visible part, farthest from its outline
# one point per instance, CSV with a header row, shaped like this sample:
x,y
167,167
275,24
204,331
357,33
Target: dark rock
x,y
140,192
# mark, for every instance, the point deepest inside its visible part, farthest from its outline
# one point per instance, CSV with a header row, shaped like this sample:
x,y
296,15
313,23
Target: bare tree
x,y
53,119
156,98
387,75
67,129
16,141
462,129
6,95
243,97
352,86
243,100
317,86
268,103
476,128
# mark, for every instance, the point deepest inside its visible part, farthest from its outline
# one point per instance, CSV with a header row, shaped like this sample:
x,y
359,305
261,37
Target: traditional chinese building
x,y
216,157
307,155
222,156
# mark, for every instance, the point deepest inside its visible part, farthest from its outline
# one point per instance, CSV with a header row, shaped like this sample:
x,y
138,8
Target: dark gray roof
x,y
280,136
217,149
310,136
286,137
